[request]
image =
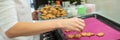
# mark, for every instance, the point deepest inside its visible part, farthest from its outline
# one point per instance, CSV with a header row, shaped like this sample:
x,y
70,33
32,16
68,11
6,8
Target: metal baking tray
x,y
59,35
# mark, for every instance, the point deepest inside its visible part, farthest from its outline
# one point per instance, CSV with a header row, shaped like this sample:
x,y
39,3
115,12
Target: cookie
x,y
44,17
55,12
100,34
49,12
78,36
84,34
70,36
49,6
53,16
89,34
43,14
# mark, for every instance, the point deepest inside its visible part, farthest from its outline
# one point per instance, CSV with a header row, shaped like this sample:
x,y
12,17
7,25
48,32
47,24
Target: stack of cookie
x,y
49,12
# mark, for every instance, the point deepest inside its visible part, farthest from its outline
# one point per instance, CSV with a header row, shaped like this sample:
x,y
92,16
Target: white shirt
x,y
12,11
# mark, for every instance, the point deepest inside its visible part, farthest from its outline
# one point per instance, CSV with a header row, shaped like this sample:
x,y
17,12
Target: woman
x,y
16,22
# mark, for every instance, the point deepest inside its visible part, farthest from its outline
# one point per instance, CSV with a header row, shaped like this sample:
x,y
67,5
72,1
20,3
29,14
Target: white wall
x,y
108,8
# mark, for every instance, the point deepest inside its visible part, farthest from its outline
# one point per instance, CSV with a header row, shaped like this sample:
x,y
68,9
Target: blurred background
x,y
107,8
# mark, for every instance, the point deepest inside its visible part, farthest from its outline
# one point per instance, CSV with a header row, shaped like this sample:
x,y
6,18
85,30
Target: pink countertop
x,y
93,25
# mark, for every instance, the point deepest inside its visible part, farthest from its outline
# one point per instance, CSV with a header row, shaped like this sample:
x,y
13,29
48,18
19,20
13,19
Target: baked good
x,y
55,12
100,34
89,34
63,13
49,6
78,36
43,14
70,36
52,12
44,17
42,10
53,16
49,12
84,34
58,13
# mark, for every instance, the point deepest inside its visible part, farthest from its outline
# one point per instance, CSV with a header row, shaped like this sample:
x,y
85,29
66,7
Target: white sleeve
x,y
8,16
3,36
11,13
23,10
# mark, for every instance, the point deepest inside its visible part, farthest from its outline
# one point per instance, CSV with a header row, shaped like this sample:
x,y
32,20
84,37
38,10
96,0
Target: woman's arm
x,y
30,28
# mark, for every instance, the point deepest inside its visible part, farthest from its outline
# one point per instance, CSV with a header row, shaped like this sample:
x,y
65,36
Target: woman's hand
x,y
70,24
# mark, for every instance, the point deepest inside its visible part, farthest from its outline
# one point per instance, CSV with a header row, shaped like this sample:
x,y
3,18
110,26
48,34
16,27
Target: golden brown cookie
x,y
49,6
53,16
58,14
70,36
45,12
61,9
55,12
90,34
50,16
100,34
46,8
41,11
44,17
63,13
52,9
78,36
49,12
84,34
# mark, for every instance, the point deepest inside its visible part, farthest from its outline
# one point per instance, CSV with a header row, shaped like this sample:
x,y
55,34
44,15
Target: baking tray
x,y
112,34
59,35
105,20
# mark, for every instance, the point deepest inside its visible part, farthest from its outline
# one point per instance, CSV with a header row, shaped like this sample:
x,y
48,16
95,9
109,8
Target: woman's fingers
x,y
73,28
72,24
81,20
80,23
76,29
79,26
